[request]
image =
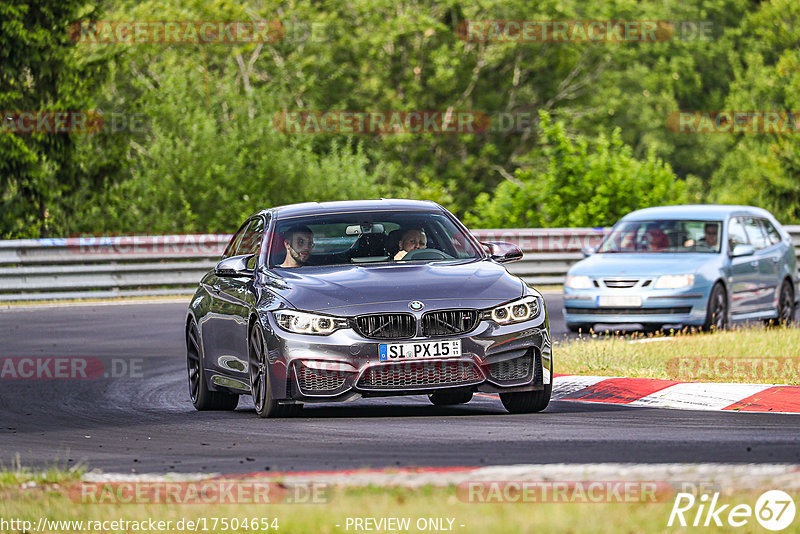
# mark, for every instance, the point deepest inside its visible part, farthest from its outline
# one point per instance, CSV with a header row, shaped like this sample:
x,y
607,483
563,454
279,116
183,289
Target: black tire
x,y
786,306
579,327
260,388
448,398
529,401
717,309
203,398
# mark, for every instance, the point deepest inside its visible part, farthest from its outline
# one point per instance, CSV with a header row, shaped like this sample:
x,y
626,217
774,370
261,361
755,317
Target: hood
x,y
355,289
642,264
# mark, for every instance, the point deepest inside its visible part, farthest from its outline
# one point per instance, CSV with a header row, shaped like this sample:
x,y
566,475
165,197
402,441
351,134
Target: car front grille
x,y
514,369
420,375
678,310
620,283
386,325
313,381
449,322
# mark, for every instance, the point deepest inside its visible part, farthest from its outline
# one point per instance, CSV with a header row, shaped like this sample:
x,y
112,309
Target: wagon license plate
x,y
619,301
419,350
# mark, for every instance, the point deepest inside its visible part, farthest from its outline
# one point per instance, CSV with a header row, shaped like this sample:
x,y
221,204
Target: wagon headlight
x,y
674,281
308,323
578,282
517,311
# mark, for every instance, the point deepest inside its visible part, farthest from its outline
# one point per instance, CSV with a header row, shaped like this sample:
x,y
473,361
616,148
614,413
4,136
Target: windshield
x,y
369,237
664,236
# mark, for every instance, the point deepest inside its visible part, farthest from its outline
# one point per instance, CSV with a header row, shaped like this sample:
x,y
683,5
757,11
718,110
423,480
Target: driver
x,y
411,239
298,240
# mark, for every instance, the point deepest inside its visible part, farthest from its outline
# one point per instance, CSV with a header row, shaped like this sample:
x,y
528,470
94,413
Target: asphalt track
x,y
147,424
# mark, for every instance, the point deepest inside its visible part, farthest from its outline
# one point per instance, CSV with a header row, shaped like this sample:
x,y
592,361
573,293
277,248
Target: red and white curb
x,y
656,393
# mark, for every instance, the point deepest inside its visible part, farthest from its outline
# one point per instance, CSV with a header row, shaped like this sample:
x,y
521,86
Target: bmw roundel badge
x,y
415,305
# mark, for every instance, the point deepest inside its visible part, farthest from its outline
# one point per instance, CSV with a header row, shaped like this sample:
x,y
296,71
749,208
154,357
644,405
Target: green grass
x,y
54,502
746,355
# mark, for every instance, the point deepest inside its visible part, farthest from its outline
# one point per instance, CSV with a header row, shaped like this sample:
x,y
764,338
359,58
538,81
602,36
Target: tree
x,y
577,183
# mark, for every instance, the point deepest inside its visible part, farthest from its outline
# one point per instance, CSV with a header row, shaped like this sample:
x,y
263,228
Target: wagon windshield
x,y
369,237
664,236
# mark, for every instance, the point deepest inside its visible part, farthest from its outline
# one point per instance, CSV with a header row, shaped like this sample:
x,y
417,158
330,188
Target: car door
x,y
232,295
744,278
212,324
767,268
774,255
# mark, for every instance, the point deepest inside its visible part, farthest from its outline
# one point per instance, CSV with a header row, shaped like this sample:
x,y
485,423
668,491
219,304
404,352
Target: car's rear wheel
x,y
202,397
717,309
448,398
786,305
260,387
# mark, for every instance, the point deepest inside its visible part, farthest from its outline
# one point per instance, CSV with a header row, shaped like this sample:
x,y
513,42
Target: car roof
x,y
701,212
345,206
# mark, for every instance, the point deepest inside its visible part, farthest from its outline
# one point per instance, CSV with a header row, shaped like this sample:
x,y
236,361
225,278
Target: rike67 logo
x,y
774,510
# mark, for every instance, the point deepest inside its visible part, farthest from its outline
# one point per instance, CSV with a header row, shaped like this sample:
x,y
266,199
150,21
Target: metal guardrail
x,y
99,267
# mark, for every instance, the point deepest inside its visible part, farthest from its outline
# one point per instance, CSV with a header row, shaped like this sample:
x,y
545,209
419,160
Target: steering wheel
x,y
427,254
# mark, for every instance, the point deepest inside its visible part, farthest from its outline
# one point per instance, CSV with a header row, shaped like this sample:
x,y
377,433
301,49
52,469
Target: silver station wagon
x,y
702,265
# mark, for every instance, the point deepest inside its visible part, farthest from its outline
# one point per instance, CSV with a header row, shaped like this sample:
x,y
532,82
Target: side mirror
x,y
588,251
234,266
502,252
743,250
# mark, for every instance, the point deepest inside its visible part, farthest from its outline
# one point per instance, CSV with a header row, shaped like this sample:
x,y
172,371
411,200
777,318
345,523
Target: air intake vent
x,y
449,322
387,325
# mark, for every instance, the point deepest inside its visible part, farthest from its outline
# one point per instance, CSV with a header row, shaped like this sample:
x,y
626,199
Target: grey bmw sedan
x,y
328,302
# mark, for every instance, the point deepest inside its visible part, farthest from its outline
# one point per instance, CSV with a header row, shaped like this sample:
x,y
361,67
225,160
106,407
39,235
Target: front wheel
x,y
527,401
717,309
260,388
202,397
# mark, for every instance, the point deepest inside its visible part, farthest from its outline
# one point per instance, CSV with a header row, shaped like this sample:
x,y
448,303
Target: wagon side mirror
x,y
743,250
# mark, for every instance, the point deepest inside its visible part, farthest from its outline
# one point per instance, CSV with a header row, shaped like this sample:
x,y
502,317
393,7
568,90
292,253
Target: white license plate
x,y
619,301
418,350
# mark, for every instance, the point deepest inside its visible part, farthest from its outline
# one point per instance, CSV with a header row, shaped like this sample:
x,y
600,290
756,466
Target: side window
x,y
251,242
757,237
772,233
230,250
736,235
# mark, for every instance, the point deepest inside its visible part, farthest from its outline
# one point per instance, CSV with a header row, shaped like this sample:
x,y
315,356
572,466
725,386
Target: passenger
x,y
657,240
411,239
298,240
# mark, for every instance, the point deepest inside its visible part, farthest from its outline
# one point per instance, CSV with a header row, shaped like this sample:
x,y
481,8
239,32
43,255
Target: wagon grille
x,y
420,375
319,380
449,322
618,283
386,325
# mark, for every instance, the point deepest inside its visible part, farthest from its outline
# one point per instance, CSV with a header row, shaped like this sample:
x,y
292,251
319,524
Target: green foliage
x,y
204,152
577,183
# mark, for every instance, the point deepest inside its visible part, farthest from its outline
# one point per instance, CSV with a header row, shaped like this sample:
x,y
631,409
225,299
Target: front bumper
x,y
344,366
685,306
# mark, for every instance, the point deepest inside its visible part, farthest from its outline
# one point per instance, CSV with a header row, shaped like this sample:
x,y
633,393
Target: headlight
x,y
517,311
578,282
674,281
308,323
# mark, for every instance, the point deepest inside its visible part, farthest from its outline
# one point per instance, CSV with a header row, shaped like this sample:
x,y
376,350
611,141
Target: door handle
x,y
754,263
775,259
